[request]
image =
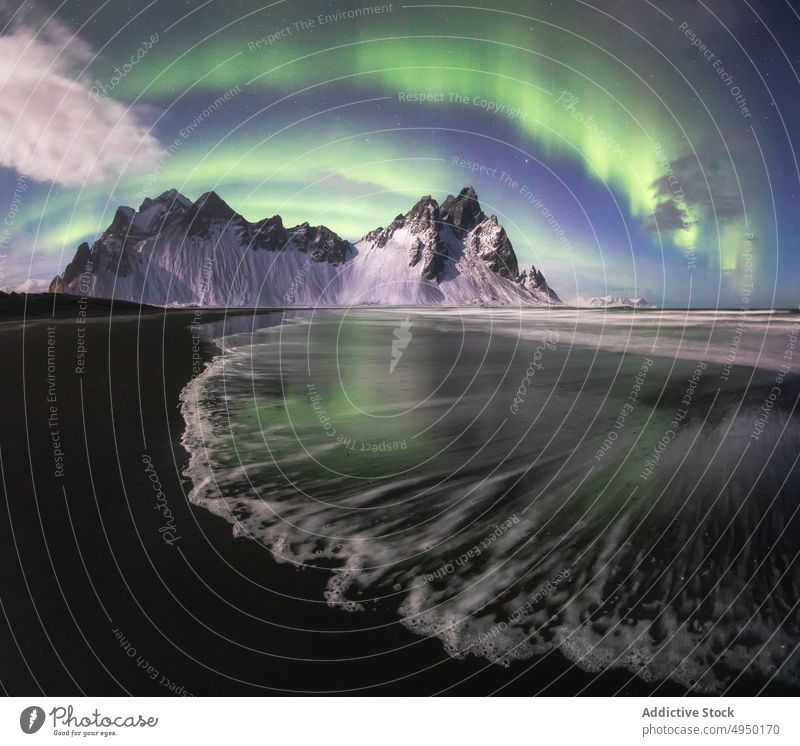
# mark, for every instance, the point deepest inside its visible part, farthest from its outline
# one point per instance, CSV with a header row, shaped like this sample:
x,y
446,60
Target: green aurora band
x,y
577,100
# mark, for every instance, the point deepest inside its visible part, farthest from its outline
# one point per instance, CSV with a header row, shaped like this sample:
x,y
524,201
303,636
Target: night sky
x,y
629,147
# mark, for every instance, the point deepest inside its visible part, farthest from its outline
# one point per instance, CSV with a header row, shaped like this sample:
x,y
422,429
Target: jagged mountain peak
x,y
211,205
173,195
170,199
534,280
211,201
614,301
425,212
463,212
153,212
271,225
122,219
175,251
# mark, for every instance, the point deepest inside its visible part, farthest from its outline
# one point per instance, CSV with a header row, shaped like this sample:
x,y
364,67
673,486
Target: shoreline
x,y
36,305
209,613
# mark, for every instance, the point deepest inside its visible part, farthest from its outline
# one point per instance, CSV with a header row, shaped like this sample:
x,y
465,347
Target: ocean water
x,y
620,486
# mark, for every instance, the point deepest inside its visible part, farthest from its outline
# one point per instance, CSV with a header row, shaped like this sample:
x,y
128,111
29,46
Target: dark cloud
x,y
699,188
667,217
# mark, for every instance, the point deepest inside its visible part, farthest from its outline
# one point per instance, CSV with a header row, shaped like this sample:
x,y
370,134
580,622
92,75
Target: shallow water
x,y
619,485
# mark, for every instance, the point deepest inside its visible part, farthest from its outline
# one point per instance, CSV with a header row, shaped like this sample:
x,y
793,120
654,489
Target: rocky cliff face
x,y
172,251
534,281
463,212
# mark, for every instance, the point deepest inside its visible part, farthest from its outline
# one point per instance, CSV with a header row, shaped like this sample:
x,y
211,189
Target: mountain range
x,y
614,301
175,252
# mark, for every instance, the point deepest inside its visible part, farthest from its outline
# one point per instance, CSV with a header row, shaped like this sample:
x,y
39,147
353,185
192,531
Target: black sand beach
x,y
107,593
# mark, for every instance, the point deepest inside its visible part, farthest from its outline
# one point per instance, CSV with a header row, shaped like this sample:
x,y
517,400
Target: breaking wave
x,y
620,487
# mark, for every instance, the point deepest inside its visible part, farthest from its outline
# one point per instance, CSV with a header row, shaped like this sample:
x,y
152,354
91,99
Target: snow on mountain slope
x,y
614,301
31,285
176,252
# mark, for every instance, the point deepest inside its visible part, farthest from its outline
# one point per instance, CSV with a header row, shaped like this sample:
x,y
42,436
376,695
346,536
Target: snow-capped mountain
x,y
31,285
614,301
172,251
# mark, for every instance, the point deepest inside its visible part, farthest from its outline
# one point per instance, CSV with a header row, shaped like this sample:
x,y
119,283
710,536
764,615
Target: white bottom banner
x,y
394,722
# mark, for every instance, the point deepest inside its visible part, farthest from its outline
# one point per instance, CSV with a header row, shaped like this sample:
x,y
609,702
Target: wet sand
x,y
105,593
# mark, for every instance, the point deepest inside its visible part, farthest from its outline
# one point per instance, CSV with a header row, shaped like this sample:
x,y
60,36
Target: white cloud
x,y
52,129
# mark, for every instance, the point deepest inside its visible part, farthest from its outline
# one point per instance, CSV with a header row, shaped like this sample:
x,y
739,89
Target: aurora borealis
x,y
628,147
